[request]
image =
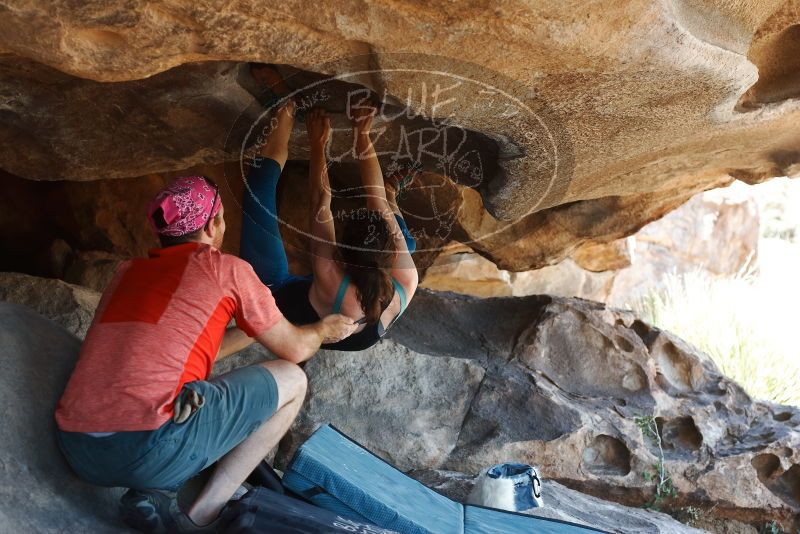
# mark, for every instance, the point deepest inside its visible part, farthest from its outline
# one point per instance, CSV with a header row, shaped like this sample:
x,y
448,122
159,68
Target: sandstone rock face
x,y
716,231
179,113
599,257
471,274
417,425
68,305
38,490
621,114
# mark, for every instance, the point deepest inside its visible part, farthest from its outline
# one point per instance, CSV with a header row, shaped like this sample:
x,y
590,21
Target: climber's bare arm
x,y
362,115
298,343
403,269
277,144
369,168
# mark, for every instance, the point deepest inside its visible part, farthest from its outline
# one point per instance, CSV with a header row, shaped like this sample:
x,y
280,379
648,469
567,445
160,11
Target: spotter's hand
x,y
337,327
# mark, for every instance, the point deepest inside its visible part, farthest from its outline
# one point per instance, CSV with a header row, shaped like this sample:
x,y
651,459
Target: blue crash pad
x,y
359,484
336,473
481,520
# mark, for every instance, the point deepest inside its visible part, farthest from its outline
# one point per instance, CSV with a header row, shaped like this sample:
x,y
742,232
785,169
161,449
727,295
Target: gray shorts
x,y
236,404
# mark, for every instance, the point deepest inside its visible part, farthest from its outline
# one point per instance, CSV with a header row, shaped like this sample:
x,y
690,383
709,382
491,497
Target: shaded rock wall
x,y
420,397
565,381
100,215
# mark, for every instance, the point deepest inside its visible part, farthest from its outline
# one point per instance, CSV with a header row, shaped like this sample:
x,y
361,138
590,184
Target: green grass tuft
x,y
747,323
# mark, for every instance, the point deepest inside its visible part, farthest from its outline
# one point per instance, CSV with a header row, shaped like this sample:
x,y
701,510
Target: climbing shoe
x,y
274,90
148,511
157,513
404,175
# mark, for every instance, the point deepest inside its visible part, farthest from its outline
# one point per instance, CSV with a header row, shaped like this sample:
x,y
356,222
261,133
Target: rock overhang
x,y
639,101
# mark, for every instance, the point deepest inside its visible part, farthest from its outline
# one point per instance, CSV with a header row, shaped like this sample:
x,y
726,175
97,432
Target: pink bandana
x,y
186,204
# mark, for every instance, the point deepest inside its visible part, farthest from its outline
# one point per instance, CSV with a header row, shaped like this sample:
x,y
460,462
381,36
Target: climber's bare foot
x,y
285,115
268,76
277,144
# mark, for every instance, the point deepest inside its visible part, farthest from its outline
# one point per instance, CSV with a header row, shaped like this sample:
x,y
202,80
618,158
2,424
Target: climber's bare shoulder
x,y
328,276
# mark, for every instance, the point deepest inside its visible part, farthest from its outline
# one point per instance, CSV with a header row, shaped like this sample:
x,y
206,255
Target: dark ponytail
x,y
367,251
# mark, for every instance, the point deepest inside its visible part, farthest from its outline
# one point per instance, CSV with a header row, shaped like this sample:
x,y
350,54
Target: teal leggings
x,y
261,243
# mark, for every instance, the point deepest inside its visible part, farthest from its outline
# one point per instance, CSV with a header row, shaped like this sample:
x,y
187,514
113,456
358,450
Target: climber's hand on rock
x,y
318,125
362,115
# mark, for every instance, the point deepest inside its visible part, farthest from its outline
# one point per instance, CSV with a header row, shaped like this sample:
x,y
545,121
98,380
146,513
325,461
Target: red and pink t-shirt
x,y
159,325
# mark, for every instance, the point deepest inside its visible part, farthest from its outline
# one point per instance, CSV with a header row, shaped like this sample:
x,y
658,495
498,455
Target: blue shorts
x,y
236,404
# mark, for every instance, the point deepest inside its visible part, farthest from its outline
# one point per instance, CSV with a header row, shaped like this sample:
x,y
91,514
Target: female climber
x,y
369,274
